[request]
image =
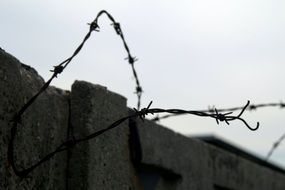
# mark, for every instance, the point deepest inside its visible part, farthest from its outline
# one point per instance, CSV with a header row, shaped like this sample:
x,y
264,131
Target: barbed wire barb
x,y
70,143
274,147
251,107
138,113
58,69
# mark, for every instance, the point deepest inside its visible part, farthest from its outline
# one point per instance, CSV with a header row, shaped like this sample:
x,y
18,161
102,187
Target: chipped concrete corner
x,y
135,155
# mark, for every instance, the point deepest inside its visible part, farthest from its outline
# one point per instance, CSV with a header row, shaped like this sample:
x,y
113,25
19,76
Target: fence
x,y
135,155
68,115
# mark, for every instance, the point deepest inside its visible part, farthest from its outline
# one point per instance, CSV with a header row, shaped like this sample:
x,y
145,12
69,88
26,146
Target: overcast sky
x,y
192,54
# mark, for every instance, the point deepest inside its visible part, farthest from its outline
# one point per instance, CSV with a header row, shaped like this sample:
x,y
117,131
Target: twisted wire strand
x,y
251,107
70,143
56,71
131,59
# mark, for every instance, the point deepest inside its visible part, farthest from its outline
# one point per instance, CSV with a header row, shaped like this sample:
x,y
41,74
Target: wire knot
x,y
94,26
221,117
143,112
131,59
57,70
139,90
252,107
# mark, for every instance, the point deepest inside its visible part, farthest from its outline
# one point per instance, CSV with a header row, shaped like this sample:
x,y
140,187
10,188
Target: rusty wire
x,y
251,107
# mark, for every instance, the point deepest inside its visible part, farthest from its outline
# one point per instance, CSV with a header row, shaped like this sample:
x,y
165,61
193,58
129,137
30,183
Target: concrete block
x,y
44,126
135,155
103,162
200,165
162,148
234,172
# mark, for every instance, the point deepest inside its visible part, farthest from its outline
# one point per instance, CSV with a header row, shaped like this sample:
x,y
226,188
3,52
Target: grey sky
x,y
192,54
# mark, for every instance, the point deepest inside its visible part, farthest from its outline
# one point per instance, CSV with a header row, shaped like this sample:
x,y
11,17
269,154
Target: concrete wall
x,y
201,166
43,126
103,162
136,155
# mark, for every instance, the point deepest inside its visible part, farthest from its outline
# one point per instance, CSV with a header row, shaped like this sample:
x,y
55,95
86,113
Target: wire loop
x,y
70,143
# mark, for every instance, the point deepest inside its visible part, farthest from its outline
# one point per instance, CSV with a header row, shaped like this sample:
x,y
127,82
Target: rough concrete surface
x,y
200,165
234,172
178,154
131,156
43,126
103,162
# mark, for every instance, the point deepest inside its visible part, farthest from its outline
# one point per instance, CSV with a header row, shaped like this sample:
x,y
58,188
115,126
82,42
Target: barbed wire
x,y
251,107
141,113
71,142
274,146
58,70
131,59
